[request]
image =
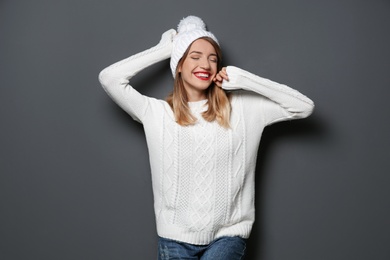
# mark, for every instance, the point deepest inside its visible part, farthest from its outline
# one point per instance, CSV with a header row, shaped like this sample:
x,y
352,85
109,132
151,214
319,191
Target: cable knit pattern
x,y
203,178
203,175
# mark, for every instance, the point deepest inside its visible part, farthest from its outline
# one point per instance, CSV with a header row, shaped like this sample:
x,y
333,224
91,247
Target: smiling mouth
x,y
202,75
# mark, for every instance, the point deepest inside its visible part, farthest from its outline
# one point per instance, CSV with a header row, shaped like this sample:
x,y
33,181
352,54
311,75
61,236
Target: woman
x,y
202,141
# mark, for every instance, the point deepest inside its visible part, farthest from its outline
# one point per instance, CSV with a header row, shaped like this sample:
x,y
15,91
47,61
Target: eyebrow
x,y
199,52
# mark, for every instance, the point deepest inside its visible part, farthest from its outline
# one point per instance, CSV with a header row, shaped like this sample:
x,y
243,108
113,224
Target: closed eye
x,y
213,58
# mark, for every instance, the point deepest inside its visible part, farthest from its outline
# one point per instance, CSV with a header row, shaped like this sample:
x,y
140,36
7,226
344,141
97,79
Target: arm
x,y
115,78
293,104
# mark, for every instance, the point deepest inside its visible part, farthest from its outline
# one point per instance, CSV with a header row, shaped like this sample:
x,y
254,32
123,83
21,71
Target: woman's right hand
x,y
167,37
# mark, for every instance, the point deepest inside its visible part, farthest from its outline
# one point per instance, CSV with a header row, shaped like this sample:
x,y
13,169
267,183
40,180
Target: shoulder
x,y
158,108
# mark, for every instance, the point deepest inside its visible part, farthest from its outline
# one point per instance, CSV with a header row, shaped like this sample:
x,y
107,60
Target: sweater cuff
x,y
233,74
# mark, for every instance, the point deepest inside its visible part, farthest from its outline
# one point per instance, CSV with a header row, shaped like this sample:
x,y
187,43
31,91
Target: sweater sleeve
x,y
282,102
115,78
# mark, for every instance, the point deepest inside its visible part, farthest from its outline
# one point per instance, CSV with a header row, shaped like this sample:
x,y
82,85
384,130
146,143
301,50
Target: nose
x,y
205,64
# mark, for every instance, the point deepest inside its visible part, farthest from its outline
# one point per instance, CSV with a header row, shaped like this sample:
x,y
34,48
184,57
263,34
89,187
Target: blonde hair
x,y
217,99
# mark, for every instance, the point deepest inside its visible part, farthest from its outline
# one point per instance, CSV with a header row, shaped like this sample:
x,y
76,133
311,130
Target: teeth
x,y
202,75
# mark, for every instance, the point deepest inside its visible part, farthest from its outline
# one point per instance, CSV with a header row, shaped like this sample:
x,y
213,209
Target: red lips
x,y
202,75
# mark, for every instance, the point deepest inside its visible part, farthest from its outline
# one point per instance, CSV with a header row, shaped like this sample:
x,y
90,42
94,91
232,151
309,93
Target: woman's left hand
x,y
220,76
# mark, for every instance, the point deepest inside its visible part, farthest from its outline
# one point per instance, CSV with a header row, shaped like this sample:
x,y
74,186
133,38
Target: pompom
x,y
191,23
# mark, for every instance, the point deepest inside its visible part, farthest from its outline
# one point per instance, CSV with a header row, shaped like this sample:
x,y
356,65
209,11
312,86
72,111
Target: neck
x,y
194,96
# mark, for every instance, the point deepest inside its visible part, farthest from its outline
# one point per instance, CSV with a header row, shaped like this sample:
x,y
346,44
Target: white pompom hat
x,y
189,29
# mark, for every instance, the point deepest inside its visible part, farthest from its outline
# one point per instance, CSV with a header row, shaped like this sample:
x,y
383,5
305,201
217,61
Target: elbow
x,y
109,79
106,79
308,110
304,110
103,78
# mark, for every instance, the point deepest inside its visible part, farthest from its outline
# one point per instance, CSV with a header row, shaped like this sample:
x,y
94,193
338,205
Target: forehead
x,y
203,46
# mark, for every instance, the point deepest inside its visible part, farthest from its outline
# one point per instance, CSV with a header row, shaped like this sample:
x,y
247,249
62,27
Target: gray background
x,y
75,181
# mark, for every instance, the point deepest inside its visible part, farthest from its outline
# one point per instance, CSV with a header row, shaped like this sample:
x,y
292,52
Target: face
x,y
198,69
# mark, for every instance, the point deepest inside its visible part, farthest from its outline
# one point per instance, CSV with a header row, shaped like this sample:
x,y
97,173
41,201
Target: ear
x,y
179,68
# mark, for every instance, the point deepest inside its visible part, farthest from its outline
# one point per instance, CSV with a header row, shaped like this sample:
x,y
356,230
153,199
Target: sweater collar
x,y
198,106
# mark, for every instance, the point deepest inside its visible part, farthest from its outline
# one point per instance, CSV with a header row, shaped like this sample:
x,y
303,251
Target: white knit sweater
x,y
203,175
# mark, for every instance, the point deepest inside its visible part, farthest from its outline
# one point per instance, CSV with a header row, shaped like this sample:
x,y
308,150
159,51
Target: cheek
x,y
185,67
215,68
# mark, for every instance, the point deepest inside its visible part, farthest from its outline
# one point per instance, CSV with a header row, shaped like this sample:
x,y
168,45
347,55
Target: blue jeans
x,y
224,248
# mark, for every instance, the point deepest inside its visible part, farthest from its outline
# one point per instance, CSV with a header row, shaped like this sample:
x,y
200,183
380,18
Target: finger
x,y
223,74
